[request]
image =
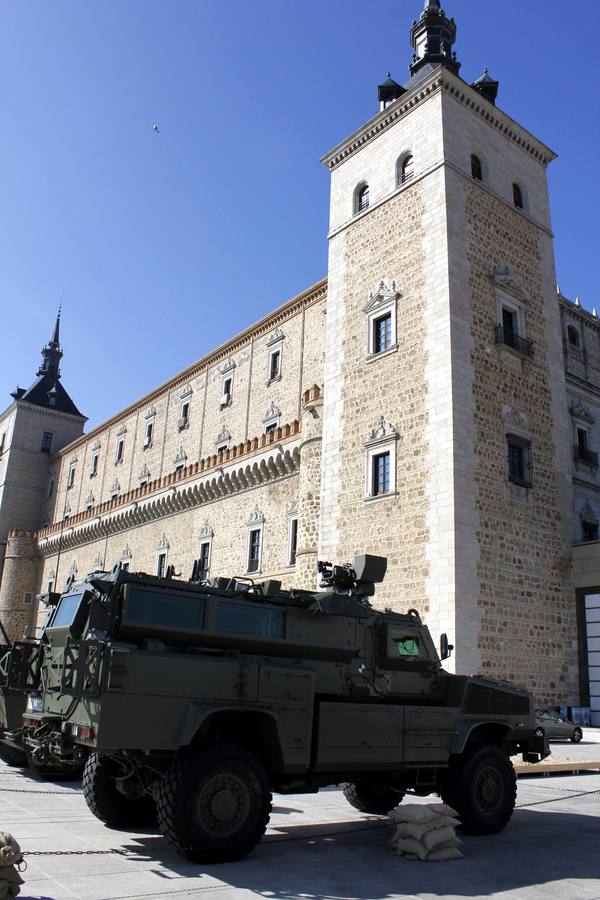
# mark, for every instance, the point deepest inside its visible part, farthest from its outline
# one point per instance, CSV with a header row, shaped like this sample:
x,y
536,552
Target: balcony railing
x,y
587,456
512,339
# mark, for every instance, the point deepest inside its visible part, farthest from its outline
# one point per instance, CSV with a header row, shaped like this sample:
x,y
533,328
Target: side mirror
x,y
445,648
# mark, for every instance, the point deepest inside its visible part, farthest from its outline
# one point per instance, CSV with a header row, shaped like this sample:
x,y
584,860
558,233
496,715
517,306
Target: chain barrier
x,y
570,796
118,852
28,791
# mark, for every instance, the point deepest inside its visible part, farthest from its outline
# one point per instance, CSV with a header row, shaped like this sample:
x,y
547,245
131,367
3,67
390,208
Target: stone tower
x,y
38,423
445,443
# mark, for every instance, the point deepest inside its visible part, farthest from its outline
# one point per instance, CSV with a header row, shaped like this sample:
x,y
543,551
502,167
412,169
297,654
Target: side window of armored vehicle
x,y
246,618
402,647
146,607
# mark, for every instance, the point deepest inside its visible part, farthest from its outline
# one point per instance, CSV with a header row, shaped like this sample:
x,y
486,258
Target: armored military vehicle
x,y
199,699
26,734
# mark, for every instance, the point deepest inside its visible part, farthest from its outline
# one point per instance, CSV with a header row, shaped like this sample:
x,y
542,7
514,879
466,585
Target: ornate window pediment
x,y
273,412
515,421
504,278
96,446
186,392
381,431
227,366
126,554
275,337
205,531
583,412
73,568
151,413
383,296
144,474
181,457
122,430
223,436
115,487
89,500
163,544
256,517
98,564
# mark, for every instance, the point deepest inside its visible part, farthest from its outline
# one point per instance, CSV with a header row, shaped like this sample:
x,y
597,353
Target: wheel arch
x,y
255,730
479,733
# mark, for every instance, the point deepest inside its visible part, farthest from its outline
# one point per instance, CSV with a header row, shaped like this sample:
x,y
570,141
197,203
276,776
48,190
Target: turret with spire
x,y
47,390
432,38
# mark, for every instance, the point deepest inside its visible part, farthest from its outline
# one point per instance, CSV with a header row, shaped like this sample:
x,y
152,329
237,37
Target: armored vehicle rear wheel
x,y
116,802
214,806
13,757
481,786
377,799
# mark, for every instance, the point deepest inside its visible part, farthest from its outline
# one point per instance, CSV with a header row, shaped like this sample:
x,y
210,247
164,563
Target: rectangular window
x,y
179,466
381,474
590,531
204,560
227,391
221,448
148,434
119,450
184,418
509,322
519,462
50,488
71,476
161,565
293,542
28,598
46,442
124,567
94,465
272,426
583,439
274,364
114,495
382,337
254,540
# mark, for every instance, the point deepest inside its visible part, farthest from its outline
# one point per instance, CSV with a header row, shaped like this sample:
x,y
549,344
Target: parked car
x,y
556,727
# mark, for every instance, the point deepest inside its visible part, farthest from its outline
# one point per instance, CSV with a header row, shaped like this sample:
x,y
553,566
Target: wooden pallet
x,y
571,767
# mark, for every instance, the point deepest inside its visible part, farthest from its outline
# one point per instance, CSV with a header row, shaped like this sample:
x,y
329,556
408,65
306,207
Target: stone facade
x,y
413,405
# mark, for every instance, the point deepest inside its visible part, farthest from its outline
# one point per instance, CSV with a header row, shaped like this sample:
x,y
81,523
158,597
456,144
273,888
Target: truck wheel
x,y
481,786
377,799
13,757
214,806
110,803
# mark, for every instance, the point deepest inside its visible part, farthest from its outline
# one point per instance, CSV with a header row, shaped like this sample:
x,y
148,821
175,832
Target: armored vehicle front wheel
x,y
481,785
13,757
214,806
118,802
377,799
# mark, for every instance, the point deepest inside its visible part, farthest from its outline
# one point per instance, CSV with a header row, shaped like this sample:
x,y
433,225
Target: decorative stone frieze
x,y
381,432
163,544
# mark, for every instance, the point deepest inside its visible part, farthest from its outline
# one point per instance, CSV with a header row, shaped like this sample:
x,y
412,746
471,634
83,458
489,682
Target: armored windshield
x,y
243,618
66,610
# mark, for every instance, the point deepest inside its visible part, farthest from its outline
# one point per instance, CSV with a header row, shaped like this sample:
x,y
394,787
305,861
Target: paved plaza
x,y
317,848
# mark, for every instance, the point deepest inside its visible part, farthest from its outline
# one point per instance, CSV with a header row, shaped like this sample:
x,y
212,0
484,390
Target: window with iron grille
x,y
382,337
381,474
408,169
519,461
362,200
46,442
254,540
293,542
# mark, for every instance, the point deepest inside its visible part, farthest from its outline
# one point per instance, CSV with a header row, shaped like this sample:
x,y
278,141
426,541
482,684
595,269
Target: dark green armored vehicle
x,y
12,707
198,700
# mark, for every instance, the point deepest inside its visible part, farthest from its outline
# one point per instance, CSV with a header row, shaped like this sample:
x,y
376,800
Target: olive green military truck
x,y
200,699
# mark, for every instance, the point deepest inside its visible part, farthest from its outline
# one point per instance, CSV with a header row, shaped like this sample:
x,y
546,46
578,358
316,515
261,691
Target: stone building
x,y
413,404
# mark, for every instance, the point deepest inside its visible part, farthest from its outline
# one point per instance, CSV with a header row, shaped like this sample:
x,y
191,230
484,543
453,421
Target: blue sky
x,y
161,247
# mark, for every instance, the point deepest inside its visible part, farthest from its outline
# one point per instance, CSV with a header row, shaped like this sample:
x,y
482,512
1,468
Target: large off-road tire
x,y
539,732
577,735
377,799
481,785
107,802
13,757
214,805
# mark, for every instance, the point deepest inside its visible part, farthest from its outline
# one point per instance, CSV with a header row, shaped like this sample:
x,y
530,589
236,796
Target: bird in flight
x,y
155,128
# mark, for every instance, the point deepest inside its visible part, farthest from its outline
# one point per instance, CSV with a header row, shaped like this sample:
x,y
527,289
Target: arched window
x,y
572,336
518,196
476,168
407,170
361,201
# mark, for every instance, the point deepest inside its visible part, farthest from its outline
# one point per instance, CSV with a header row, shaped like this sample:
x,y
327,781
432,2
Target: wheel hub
x,y
489,789
223,804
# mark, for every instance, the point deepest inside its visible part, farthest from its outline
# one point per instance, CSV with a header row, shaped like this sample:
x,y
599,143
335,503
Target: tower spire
x,y
432,38
51,353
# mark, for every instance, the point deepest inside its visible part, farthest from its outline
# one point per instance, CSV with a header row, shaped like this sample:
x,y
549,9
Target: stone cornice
x,y
307,298
441,79
273,455
576,311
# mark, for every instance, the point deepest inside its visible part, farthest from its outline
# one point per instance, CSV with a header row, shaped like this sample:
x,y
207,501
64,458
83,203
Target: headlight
x,y
35,704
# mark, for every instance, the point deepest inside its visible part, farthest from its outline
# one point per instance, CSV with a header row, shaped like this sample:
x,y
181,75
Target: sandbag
x,y
443,854
411,847
440,837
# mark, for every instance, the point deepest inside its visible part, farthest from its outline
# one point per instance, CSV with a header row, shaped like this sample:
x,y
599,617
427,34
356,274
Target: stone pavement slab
x,y
317,848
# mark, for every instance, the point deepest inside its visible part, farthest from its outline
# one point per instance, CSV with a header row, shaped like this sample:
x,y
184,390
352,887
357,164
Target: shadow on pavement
x,y
353,860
